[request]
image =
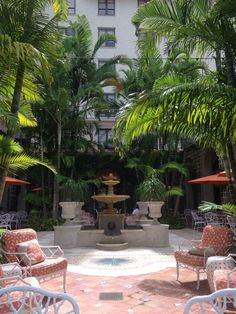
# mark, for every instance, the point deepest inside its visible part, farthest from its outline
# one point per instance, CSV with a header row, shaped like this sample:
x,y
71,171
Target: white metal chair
x,y
28,299
217,301
5,221
212,219
198,222
52,262
23,218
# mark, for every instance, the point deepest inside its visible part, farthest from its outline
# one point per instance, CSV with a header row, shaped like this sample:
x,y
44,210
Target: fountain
x,y
111,234
110,221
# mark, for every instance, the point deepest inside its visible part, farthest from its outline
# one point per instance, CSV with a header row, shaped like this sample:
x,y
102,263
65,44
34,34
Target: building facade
x,y
107,16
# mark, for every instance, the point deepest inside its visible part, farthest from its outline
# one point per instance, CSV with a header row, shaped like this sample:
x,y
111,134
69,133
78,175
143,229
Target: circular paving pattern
x,y
127,262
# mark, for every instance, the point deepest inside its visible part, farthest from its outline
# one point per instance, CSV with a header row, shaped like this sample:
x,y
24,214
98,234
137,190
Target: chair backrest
x,y
11,238
211,217
217,300
29,299
195,216
217,236
231,221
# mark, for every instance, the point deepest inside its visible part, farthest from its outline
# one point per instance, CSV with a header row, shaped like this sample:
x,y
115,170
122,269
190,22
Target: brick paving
x,y
156,293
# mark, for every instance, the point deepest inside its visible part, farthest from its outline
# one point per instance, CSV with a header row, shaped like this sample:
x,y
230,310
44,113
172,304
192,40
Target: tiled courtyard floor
x,y
145,277
156,293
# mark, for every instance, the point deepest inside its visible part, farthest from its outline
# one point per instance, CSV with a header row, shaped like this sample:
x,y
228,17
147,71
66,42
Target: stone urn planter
x,y
68,211
155,210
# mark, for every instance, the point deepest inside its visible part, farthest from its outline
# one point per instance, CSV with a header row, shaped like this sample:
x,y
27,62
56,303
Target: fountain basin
x,y
71,236
110,198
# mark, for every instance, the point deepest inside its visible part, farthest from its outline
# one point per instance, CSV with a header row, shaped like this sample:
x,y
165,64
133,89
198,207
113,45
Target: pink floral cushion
x,y
16,296
220,279
217,236
32,249
48,266
12,237
2,283
183,257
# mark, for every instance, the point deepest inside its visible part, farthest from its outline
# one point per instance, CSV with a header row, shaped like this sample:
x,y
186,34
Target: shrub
x,y
40,222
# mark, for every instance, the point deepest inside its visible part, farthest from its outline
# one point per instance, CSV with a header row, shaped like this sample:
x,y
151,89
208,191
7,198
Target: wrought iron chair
x,y
29,299
5,221
42,262
198,222
216,240
212,219
217,301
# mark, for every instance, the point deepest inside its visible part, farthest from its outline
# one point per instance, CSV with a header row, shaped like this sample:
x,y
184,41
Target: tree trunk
x,y
3,174
15,105
232,167
55,182
12,129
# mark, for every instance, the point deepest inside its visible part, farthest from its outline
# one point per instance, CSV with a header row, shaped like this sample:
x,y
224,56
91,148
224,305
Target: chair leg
x,y
198,278
177,270
64,281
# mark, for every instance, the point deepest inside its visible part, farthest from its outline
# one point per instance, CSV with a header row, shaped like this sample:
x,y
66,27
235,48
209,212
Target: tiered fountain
x,y
110,221
111,234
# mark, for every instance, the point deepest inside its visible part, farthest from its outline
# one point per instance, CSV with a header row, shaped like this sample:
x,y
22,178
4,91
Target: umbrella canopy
x,y
217,178
14,181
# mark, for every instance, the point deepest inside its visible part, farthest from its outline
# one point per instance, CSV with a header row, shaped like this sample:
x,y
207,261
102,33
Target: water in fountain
x,y
111,222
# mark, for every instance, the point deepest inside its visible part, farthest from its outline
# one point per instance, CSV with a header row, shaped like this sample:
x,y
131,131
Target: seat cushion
x,y
201,251
32,249
220,279
48,266
184,257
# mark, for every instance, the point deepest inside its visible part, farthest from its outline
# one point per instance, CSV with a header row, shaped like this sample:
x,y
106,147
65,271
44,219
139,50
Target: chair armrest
x,y
195,242
18,256
13,279
52,251
185,245
11,269
229,275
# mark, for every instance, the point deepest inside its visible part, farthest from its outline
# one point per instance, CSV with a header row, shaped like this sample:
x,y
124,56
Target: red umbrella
x,y
217,178
14,181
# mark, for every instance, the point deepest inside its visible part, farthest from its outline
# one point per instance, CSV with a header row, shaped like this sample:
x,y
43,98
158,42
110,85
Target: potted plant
x,y
154,192
74,194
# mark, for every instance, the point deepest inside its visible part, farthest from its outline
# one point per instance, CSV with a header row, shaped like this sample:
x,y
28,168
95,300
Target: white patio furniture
x,y
5,221
23,218
29,299
213,219
217,301
198,222
218,262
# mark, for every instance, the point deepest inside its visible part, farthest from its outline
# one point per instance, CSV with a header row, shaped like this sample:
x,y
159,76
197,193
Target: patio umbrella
x,y
217,179
14,181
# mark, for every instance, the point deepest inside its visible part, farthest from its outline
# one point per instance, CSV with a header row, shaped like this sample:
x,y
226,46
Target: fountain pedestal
x,y
111,224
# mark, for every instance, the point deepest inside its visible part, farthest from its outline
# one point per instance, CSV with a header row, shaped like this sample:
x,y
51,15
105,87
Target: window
x,y
142,2
106,7
66,31
101,62
108,43
110,98
105,137
71,7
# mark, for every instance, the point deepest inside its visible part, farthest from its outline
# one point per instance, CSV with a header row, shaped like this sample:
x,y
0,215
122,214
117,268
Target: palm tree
x,y
203,109
13,158
76,92
27,37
